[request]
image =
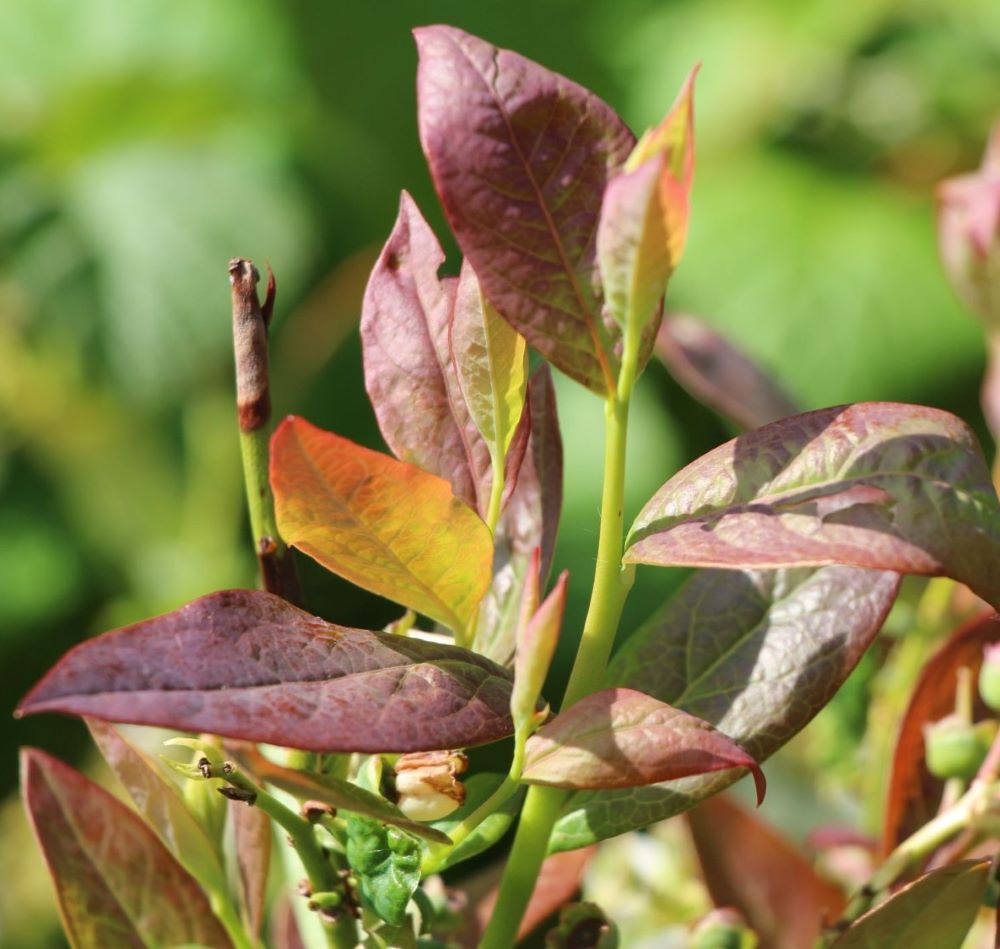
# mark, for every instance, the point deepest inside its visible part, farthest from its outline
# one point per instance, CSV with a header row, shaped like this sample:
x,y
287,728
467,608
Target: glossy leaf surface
x,y
621,738
757,654
878,484
748,866
520,157
385,525
718,375
387,864
934,912
246,664
116,883
158,800
913,793
330,790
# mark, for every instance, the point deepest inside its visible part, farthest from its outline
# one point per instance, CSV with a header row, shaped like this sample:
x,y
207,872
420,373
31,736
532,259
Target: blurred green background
x,y
143,144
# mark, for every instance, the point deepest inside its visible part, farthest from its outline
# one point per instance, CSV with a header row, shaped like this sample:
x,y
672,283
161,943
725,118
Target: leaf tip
x,y
759,781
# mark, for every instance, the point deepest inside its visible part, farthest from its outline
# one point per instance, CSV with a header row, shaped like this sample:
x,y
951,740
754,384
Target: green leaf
x,y
934,912
491,359
877,484
385,525
387,863
756,654
159,801
117,885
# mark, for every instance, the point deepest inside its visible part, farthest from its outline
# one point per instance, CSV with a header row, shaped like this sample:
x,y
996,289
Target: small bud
x,y
205,767
969,234
582,926
315,811
427,785
956,749
723,929
989,677
242,795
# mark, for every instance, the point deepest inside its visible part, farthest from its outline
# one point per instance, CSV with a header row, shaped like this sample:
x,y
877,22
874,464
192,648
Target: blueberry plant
x,y
354,742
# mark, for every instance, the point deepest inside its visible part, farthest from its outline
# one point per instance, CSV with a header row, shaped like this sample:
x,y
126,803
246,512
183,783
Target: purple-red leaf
x,y
160,803
246,664
252,832
878,485
718,375
410,374
520,157
748,865
914,793
385,525
117,885
934,912
621,738
755,654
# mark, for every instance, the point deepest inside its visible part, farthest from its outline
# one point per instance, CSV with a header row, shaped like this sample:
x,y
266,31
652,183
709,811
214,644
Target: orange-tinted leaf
x,y
747,865
644,216
934,912
621,738
116,883
247,664
914,793
385,525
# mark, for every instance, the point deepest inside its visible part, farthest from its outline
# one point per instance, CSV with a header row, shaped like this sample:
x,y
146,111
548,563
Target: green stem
x,y
611,585
222,906
302,836
496,490
436,856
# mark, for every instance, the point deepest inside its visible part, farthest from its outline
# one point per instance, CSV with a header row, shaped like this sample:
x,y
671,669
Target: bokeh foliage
x,y
144,144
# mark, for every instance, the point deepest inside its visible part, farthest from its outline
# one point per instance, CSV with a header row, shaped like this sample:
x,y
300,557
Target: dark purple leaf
x,y
757,654
117,885
621,738
246,664
158,800
252,832
877,484
718,375
934,912
747,865
520,157
914,792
